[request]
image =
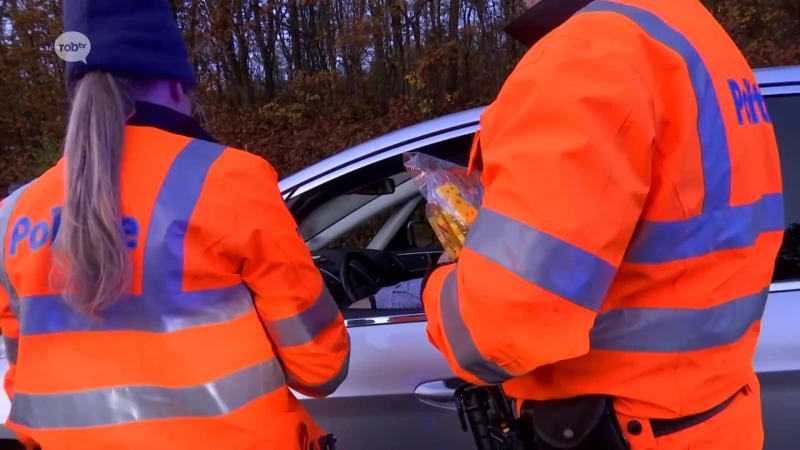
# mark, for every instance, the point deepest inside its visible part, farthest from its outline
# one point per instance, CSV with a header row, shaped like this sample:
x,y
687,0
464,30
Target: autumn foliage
x,y
297,81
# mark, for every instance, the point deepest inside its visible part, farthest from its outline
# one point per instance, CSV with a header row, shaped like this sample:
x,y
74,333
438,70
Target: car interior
x,y
382,212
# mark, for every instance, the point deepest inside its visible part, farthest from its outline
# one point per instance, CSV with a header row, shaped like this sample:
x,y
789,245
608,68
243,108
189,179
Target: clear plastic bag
x,y
453,197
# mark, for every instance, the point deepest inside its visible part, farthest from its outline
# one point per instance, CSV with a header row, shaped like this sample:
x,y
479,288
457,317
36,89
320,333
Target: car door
x,y
777,357
398,393
399,390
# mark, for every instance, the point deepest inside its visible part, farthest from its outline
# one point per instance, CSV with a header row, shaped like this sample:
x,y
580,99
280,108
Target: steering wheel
x,y
374,272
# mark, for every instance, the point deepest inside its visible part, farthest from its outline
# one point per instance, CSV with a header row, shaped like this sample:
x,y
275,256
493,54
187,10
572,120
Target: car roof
x,y
771,76
776,76
389,140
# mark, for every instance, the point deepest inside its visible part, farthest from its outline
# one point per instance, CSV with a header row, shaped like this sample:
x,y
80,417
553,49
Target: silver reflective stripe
x,y
657,330
324,389
12,345
12,348
464,349
305,326
128,404
152,313
544,260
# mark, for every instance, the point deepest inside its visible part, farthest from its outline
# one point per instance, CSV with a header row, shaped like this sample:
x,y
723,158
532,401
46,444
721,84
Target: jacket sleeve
x,y
565,152
9,324
10,329
299,314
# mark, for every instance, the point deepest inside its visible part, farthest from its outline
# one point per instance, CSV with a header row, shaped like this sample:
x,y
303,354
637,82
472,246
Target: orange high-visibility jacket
x,y
631,217
226,312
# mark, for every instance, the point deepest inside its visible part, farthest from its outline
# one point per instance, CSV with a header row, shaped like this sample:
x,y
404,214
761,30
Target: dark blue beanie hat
x,y
136,38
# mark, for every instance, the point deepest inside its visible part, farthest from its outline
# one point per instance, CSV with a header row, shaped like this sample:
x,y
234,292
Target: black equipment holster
x,y
490,415
581,423
327,442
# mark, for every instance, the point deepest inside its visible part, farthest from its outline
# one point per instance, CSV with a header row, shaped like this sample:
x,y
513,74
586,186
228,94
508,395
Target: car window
x,y
361,236
783,110
400,241
335,210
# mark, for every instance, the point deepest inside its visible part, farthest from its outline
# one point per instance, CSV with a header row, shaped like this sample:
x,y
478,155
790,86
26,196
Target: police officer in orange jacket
x,y
631,216
156,292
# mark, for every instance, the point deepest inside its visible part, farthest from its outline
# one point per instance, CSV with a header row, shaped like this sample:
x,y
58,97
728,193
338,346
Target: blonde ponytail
x,y
90,249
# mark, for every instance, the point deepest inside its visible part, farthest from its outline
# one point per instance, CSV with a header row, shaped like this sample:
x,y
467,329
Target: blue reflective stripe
x,y
710,124
724,229
719,226
153,313
163,306
163,252
657,330
544,260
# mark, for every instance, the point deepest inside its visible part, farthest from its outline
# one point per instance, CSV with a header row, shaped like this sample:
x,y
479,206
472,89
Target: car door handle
x,y
435,390
438,393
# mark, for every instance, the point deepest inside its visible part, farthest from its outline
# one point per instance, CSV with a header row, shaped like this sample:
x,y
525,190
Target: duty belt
x,y
585,422
663,427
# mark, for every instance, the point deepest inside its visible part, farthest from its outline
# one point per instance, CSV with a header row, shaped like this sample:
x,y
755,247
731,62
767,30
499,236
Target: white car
x,y
399,391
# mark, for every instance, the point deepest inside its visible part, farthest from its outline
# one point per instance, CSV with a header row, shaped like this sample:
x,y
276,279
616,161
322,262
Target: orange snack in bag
x,y
453,198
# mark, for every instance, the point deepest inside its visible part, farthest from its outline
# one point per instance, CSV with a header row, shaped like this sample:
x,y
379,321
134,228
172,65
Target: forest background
x,y
299,80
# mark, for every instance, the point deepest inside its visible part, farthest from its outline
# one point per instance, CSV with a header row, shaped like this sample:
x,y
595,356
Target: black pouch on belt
x,y
581,423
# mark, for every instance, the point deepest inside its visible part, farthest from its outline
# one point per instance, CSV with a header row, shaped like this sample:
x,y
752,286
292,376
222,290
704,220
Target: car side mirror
x,y
420,234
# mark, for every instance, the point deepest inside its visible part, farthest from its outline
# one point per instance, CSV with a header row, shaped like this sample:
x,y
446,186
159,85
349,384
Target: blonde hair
x,y
91,255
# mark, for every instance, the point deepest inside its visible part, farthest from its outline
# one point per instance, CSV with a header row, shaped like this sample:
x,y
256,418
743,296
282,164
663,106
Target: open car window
x,y
343,206
333,206
337,217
